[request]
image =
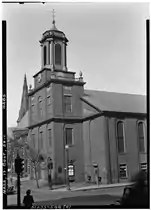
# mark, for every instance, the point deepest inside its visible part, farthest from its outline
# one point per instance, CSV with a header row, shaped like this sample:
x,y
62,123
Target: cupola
x,y
53,49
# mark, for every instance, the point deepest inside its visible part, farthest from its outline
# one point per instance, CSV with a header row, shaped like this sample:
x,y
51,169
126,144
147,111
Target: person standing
x,y
50,167
50,180
96,173
28,200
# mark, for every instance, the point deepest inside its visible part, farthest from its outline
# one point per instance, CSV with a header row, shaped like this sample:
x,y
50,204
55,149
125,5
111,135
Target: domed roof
x,y
53,32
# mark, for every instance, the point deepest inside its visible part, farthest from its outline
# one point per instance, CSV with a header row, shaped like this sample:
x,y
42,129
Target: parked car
x,y
126,192
10,186
11,190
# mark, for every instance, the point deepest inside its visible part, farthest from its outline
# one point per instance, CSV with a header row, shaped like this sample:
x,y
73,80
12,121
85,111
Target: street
x,y
83,200
60,196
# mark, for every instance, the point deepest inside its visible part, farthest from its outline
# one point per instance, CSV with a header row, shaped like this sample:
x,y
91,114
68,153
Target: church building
x,y
68,123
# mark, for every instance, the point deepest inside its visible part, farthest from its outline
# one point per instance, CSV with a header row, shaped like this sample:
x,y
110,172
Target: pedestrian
x,y
28,200
96,172
50,181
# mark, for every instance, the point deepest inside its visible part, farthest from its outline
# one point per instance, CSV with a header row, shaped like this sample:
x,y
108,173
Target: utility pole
x,y
19,167
67,164
18,189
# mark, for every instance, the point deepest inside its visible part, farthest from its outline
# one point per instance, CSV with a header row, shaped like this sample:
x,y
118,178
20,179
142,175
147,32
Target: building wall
x,y
94,147
47,149
75,151
131,157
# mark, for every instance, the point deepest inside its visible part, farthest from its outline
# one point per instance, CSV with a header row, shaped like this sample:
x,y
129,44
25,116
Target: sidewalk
x,y
101,186
73,186
77,189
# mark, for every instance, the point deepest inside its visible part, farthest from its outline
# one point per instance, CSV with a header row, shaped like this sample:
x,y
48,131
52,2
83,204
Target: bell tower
x,y
56,110
53,49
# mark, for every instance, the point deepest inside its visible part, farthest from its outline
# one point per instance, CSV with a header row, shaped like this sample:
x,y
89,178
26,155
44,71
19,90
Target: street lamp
x,y
67,164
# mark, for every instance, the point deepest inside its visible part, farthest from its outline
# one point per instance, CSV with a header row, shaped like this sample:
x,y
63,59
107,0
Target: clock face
x,y
39,77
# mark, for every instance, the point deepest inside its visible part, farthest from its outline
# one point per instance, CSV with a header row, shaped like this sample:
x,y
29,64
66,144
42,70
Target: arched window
x,y
45,55
40,143
49,135
32,107
58,54
40,106
120,137
33,139
141,137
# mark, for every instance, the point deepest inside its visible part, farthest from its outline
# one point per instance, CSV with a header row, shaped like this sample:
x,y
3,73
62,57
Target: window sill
x,y
143,153
123,178
122,153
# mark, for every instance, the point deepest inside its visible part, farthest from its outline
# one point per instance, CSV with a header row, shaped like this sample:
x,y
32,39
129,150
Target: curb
x,y
100,187
74,189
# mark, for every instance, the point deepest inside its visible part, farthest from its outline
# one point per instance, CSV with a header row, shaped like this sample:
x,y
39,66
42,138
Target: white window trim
x,y
118,121
145,140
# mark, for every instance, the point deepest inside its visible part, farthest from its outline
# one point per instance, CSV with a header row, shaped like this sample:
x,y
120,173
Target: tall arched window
x,y
120,137
45,55
33,139
58,54
141,137
40,142
40,106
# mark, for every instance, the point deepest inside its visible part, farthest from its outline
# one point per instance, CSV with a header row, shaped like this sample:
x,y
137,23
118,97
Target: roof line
x,y
92,117
87,102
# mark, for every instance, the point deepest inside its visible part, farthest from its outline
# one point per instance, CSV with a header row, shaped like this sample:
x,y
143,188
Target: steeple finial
x,y
53,17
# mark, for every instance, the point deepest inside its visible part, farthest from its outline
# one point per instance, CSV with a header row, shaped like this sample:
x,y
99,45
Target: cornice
x,y
57,81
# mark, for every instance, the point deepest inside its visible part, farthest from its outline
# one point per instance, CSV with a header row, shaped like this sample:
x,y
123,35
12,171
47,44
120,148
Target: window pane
x,y
141,137
120,137
48,100
68,136
141,145
120,129
33,140
45,55
140,130
49,136
41,140
68,103
40,146
58,54
120,145
40,106
123,170
32,109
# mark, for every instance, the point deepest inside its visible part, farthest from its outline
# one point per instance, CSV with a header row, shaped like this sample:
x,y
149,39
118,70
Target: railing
x,y
80,79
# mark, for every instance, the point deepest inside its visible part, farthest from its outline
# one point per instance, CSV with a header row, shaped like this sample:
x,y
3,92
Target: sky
x,y
107,42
